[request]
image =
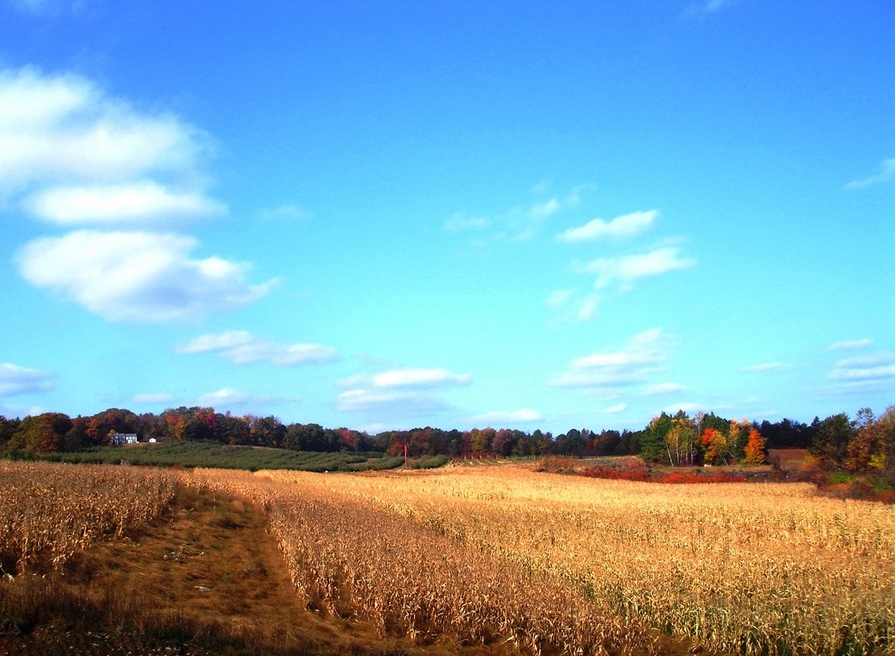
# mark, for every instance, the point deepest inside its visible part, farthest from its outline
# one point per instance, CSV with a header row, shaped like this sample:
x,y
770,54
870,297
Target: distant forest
x,y
865,443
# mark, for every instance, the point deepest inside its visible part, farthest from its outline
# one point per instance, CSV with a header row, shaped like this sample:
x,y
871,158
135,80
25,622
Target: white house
x,y
123,438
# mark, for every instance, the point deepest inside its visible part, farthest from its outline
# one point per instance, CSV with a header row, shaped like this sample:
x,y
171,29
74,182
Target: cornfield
x,y
583,565
49,512
548,563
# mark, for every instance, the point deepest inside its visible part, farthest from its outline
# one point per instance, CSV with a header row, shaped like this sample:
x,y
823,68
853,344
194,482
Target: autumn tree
x,y
680,440
8,427
714,441
754,451
233,430
44,433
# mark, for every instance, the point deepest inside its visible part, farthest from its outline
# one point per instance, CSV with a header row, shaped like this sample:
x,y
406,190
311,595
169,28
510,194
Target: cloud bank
x,y
138,277
16,380
75,157
242,347
397,393
643,355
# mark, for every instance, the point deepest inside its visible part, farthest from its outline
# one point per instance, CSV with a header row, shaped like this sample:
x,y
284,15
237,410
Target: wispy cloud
x,y
705,8
884,172
715,5
286,213
663,388
623,272
392,394
47,7
615,409
153,398
643,355
571,306
628,225
392,404
459,222
850,345
16,380
138,202
137,277
878,367
229,398
505,419
420,379
687,406
242,347
515,224
766,366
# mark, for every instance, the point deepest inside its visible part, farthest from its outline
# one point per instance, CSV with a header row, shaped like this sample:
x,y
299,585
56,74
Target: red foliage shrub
x,y
626,474
689,477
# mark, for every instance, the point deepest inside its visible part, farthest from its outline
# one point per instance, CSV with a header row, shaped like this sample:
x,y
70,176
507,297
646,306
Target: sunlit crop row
x,y
48,512
356,555
749,568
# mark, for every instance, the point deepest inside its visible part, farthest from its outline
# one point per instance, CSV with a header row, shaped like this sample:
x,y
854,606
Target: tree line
x,y
863,444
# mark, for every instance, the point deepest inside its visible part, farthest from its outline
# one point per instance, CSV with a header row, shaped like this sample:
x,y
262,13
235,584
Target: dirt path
x,y
206,578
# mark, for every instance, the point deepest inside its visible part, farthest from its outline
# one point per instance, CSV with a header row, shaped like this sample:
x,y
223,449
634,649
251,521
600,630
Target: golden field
x,y
546,563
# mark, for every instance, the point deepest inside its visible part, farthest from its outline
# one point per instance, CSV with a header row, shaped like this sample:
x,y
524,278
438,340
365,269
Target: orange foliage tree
x,y
753,452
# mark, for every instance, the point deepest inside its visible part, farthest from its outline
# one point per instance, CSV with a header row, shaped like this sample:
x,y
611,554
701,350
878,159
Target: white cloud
x,y
545,209
398,393
420,379
766,366
137,276
514,224
572,307
884,172
243,347
390,403
629,225
686,407
459,222
228,397
16,380
850,345
715,5
624,271
503,419
284,213
64,128
879,367
46,7
615,409
121,203
644,354
663,388
153,398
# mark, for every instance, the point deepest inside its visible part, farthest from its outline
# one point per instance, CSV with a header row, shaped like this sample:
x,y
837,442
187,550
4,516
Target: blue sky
x,y
392,214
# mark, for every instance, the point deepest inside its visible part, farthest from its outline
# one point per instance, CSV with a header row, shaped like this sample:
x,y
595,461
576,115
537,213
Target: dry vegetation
x,y
511,558
559,562
50,512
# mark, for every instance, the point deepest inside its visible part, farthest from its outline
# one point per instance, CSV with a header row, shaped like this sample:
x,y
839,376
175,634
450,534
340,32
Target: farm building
x,y
123,438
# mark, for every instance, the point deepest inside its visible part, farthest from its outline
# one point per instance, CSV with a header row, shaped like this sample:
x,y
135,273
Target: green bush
x,y
192,454
837,478
428,462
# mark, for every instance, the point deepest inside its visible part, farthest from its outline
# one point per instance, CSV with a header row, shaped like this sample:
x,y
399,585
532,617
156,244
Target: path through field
x,y
207,566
